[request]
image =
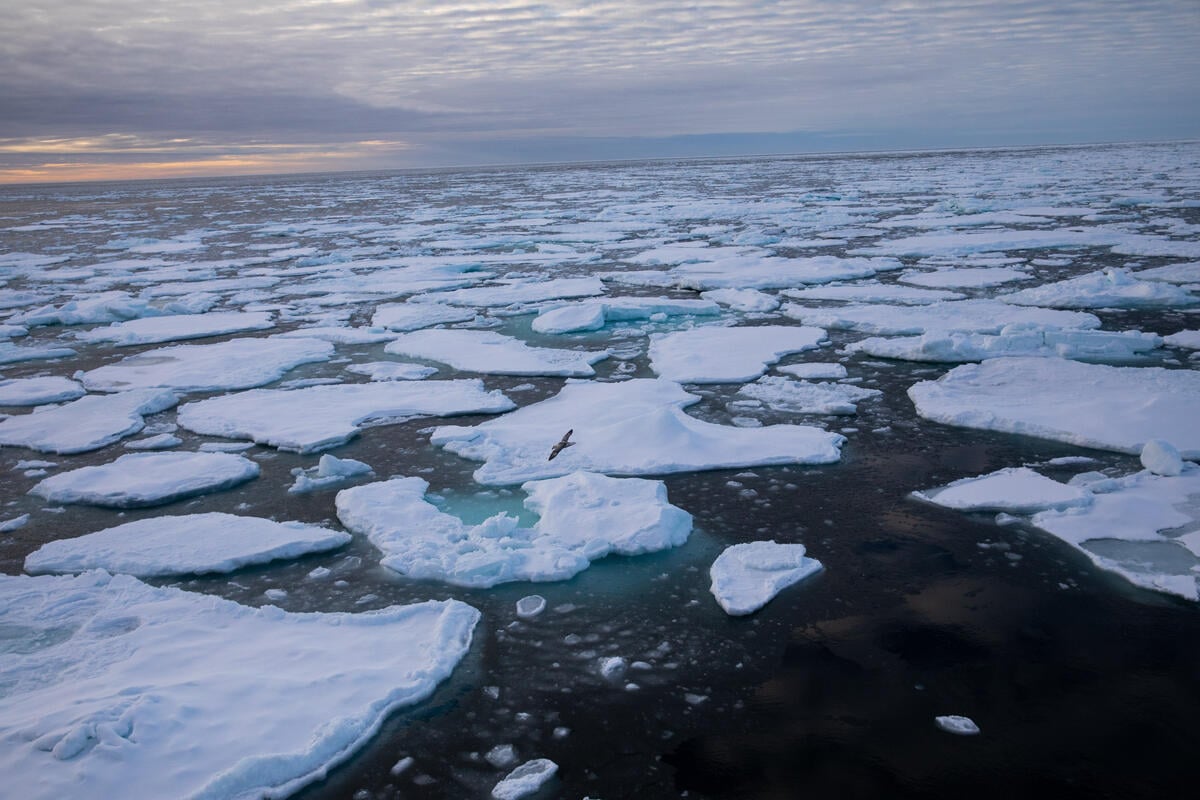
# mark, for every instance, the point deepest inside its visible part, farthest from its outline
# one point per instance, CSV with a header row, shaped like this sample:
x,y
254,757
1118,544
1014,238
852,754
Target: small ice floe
x,y
744,300
815,370
961,726
756,271
500,756
392,371
969,316
320,417
1189,339
414,316
746,576
235,364
530,606
801,397
592,315
492,353
1091,405
112,306
727,355
1110,288
1172,273
634,427
113,684
9,525
340,334
151,330
1161,458
1013,340
185,545
1015,490
528,291
89,423
136,480
525,779
964,277
612,668
38,391
161,441
328,472
12,354
874,293
583,517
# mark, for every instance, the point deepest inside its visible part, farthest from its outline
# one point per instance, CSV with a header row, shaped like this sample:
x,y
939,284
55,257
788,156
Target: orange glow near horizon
x,y
82,159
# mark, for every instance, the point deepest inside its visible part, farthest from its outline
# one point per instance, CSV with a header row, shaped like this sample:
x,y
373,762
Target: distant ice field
x,y
752,426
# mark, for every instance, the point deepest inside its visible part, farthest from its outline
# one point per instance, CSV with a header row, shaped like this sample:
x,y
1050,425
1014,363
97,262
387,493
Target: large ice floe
x,y
114,688
318,417
136,480
595,314
1013,340
1092,405
583,517
746,576
413,316
89,423
634,427
150,330
1110,288
1144,527
184,545
727,355
493,353
971,316
39,391
235,364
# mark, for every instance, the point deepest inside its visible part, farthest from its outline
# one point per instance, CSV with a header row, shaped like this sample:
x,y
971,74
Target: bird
x,y
563,444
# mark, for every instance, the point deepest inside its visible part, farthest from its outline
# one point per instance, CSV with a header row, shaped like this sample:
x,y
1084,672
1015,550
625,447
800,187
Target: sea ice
x,y
874,293
1172,273
727,355
320,417
746,576
1161,458
150,330
492,353
12,354
136,480
593,315
1013,340
38,391
340,334
530,606
583,517
413,316
978,316
815,370
964,277
9,525
528,291
329,471
235,364
1186,339
962,726
119,689
89,423
161,441
1015,490
102,307
1110,288
525,779
634,427
392,371
758,272
802,397
184,545
1091,405
745,300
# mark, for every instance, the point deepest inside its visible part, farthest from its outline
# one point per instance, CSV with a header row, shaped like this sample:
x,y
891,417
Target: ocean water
x,y
1082,684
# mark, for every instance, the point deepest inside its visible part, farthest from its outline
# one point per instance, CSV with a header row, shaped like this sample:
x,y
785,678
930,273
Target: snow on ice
x,y
1014,490
727,355
151,330
39,391
89,423
1110,288
745,577
136,480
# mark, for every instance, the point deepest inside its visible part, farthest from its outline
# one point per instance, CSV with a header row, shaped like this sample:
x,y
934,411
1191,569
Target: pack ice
x,y
493,353
1091,405
136,480
119,689
746,576
1110,288
727,355
583,517
319,417
634,427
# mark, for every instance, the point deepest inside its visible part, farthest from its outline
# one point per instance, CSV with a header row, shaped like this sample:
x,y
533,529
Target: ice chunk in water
x,y
746,576
525,779
962,726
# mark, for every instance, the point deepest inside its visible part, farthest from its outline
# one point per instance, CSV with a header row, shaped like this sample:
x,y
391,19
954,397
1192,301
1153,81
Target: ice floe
x,y
595,314
493,353
746,300
1187,339
758,272
1015,490
151,330
392,371
112,306
319,417
634,427
235,364
12,354
1172,273
184,545
964,277
1091,405
1161,458
745,577
727,355
958,725
801,397
136,480
39,391
329,471
873,293
89,423
135,691
972,316
583,516
1013,340
529,291
525,779
413,316
1110,288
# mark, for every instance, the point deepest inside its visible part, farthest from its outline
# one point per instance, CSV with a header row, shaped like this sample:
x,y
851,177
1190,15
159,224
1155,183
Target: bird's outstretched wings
x,y
563,444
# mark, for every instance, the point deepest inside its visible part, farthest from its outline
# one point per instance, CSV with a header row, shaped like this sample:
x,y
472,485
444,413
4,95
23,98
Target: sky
x,y
124,89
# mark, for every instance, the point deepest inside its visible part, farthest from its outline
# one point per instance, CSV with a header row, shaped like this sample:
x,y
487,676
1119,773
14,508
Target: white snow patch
x,y
1161,458
1187,339
392,371
136,480
815,370
595,314
745,300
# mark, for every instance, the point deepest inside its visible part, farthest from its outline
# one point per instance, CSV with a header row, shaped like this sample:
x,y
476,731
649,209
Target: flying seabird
x,y
563,444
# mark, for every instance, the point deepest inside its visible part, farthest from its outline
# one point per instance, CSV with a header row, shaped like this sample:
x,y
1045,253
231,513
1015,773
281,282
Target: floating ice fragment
x,y
802,397
1016,490
413,316
1012,341
746,576
329,471
89,423
1110,288
494,354
530,606
136,480
978,316
150,330
727,355
595,314
162,441
962,726
13,524
38,391
525,779
500,756
392,371
1161,458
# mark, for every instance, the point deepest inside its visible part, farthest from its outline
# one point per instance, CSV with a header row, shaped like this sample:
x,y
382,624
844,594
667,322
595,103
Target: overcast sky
x,y
147,88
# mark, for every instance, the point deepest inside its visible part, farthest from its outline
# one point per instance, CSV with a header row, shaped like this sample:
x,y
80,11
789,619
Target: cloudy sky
x,y
157,88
